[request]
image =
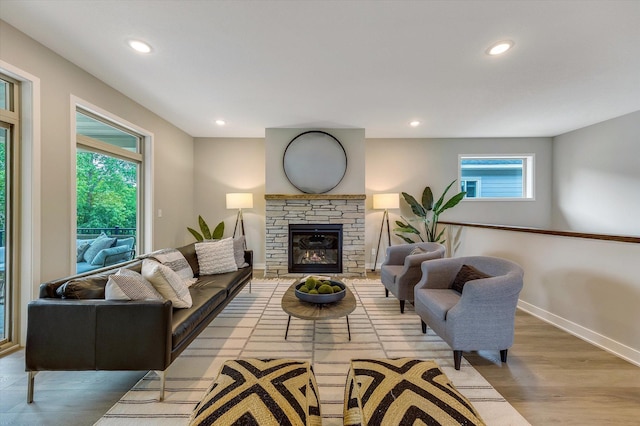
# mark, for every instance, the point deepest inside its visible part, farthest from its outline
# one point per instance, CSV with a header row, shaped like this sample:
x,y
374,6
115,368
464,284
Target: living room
x,y
585,286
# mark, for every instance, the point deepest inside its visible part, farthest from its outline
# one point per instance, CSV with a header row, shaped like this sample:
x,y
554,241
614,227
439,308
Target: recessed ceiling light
x,y
139,46
221,122
414,123
500,47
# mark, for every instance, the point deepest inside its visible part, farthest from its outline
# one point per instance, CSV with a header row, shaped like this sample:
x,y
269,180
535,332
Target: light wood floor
x,y
551,378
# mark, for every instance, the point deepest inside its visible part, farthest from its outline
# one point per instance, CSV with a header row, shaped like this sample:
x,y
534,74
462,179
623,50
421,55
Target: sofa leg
x,y
424,327
30,382
386,292
402,306
503,355
457,359
163,381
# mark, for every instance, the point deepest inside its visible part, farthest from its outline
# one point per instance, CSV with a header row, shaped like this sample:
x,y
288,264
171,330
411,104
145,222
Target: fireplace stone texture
x,y
281,210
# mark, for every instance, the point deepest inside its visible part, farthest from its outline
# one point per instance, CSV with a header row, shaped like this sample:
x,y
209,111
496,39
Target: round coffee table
x,y
316,311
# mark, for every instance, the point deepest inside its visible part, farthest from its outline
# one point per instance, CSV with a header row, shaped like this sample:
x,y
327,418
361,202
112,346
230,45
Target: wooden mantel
x,y
315,196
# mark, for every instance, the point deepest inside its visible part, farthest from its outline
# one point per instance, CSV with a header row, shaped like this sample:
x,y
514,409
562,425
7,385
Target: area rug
x,y
253,326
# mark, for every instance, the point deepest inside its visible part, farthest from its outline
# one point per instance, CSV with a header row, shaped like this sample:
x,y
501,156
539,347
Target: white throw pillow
x,y
129,285
216,257
175,260
238,251
167,283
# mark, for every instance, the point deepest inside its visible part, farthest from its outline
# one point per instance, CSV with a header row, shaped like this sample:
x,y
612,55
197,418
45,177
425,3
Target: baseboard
x,y
616,348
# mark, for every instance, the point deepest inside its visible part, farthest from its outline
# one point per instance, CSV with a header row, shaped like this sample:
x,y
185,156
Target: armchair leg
x,y
457,359
402,306
503,355
424,327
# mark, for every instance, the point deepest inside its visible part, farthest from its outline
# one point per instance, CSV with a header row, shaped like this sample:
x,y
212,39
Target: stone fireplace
x,y
283,210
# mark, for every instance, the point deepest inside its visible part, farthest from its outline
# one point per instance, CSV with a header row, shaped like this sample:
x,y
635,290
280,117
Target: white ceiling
x,y
363,64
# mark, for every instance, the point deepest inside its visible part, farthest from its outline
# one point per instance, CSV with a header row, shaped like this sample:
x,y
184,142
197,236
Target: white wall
x,y
231,165
352,141
409,165
588,287
596,184
60,80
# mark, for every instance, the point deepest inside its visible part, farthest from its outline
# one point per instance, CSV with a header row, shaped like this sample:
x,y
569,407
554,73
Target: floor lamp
x,y
386,202
240,200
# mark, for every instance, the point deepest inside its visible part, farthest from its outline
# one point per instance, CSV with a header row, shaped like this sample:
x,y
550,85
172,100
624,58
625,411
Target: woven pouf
x,y
403,391
261,392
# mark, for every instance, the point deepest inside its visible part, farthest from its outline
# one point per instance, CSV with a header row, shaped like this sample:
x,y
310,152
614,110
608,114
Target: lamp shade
x,y
240,200
386,201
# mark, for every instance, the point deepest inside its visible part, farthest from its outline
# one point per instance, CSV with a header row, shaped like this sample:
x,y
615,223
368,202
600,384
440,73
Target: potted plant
x,y
206,234
429,213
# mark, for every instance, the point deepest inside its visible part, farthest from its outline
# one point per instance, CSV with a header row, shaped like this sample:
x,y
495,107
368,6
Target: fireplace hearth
x,y
315,248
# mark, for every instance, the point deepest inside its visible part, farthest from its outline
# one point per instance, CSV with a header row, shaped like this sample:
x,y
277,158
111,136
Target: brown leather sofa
x,y
91,333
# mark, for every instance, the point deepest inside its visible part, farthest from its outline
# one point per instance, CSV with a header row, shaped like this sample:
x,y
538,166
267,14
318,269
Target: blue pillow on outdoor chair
x,y
108,254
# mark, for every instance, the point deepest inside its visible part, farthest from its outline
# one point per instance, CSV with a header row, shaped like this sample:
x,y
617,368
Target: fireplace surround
x,y
347,210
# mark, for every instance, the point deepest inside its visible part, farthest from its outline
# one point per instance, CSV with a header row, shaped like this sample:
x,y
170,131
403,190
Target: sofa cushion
x,y
167,283
437,301
130,285
229,281
109,254
184,321
100,243
216,257
466,273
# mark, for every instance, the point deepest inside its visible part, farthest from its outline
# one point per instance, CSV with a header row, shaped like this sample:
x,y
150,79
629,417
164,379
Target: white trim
x,y
30,209
528,175
625,352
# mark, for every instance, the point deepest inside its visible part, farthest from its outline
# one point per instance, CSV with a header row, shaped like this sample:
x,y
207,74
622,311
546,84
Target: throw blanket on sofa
x,y
176,261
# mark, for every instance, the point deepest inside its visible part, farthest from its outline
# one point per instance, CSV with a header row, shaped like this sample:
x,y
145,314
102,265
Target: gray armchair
x,y
482,316
400,271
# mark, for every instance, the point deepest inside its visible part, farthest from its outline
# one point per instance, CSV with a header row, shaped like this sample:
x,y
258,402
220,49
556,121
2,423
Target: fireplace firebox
x,y
315,248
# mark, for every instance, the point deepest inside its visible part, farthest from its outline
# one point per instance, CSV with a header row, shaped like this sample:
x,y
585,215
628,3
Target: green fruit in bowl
x,y
311,283
303,289
325,289
336,288
314,291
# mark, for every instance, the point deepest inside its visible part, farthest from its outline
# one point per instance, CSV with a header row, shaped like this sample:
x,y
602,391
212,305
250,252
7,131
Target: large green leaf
x,y
406,239
453,201
218,232
416,208
196,234
406,227
441,199
206,232
427,198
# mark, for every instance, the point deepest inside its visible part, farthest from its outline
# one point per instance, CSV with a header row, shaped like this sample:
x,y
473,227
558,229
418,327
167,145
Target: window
x,y
497,177
109,162
9,142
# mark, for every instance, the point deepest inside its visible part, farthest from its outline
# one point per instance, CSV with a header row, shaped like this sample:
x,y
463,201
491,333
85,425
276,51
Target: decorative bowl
x,y
322,298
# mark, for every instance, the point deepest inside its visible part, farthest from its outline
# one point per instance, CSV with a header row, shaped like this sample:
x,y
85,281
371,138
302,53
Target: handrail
x,y
606,237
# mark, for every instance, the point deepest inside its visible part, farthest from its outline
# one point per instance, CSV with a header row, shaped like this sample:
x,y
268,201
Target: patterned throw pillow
x,y
177,262
216,257
130,285
238,252
81,247
466,273
100,243
167,283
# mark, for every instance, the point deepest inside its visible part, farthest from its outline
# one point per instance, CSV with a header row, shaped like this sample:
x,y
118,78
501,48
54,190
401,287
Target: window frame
x,y
144,221
528,175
